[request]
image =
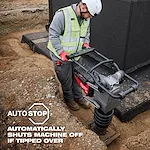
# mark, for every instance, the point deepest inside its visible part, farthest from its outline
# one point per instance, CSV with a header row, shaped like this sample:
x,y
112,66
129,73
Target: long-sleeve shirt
x,y
57,27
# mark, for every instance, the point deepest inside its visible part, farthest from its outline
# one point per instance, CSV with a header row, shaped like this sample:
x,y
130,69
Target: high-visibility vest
x,y
74,34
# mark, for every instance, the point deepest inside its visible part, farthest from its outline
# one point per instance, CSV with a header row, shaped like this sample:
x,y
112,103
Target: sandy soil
x,y
22,15
26,78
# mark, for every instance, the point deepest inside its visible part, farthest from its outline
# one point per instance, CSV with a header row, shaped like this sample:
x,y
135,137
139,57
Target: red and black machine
x,y
104,84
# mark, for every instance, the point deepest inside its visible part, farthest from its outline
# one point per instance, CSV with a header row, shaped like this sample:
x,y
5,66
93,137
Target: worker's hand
x,y
86,45
63,56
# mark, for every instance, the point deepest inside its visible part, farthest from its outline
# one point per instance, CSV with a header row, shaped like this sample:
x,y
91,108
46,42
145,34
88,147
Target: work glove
x,y
63,56
86,45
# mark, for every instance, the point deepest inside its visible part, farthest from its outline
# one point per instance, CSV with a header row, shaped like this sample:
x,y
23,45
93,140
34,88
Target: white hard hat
x,y
94,6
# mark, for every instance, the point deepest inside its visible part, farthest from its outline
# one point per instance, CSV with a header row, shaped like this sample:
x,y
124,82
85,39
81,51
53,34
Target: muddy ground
x,y
27,77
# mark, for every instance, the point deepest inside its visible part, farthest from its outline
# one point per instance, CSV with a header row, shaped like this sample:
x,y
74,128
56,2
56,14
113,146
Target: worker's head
x,y
90,8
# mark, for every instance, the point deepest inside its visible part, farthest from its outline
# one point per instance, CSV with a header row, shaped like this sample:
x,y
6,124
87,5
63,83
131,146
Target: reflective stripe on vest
x,y
74,34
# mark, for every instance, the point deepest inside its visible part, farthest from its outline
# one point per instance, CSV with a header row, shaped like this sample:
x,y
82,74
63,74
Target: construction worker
x,y
69,32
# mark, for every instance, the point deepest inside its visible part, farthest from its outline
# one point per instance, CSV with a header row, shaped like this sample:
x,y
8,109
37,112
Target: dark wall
x,y
109,30
138,48
121,31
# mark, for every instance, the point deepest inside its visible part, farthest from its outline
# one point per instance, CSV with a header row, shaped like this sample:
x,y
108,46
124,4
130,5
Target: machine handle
x,y
131,89
83,52
124,93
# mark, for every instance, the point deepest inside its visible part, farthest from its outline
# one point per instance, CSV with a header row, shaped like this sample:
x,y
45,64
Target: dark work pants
x,y
70,87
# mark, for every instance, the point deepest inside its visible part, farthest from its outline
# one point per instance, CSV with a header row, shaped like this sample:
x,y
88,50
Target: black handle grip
x,y
80,53
124,93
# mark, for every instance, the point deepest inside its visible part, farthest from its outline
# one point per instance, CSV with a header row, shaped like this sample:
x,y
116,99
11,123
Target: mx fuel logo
x,y
38,113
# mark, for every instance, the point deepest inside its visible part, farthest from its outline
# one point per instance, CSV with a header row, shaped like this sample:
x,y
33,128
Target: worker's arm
x,y
55,30
87,37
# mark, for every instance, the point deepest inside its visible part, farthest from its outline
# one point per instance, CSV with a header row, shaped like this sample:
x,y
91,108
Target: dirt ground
x,y
27,77
25,14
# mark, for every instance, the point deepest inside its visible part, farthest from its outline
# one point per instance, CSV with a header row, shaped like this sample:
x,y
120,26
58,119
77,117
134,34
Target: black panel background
x,y
109,30
138,50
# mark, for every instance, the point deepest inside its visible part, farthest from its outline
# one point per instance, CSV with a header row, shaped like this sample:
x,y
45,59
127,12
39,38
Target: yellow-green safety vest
x,y
74,34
